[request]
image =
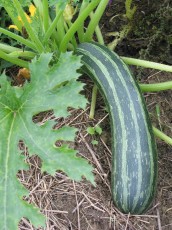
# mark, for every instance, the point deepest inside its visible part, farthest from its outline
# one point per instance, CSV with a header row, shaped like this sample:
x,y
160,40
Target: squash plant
x,y
46,35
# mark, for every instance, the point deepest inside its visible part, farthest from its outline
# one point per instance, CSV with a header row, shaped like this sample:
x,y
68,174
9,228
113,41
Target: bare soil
x,y
70,205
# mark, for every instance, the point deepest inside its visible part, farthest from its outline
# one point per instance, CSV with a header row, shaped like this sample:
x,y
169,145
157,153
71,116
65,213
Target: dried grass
x,y
70,205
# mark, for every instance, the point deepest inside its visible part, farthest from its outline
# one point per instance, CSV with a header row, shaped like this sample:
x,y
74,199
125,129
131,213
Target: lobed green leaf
x,y
51,88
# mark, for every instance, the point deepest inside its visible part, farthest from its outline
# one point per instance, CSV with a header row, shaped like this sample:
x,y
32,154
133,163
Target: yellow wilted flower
x,y
23,74
32,11
68,12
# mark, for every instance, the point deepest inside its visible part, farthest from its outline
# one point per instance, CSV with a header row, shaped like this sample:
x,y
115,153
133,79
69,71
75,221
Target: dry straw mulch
x,y
70,205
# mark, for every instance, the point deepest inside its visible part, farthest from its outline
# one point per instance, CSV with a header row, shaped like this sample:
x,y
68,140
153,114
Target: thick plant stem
x,y
14,60
52,27
16,52
95,20
93,101
162,136
13,18
79,21
8,49
18,38
73,40
98,32
31,33
94,91
147,64
26,54
80,30
156,87
45,15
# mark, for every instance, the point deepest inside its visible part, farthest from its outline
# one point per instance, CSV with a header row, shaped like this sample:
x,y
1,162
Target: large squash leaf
x,y
51,88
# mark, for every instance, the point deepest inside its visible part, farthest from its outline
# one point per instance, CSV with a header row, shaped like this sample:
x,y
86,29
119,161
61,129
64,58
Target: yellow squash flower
x,y
32,11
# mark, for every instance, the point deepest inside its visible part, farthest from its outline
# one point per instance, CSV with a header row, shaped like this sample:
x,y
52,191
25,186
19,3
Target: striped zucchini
x,y
134,156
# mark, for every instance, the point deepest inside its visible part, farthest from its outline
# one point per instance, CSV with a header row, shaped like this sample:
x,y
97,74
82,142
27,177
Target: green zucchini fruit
x,y
134,155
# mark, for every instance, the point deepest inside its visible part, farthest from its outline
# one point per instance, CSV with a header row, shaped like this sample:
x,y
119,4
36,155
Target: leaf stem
x,y
13,51
45,15
156,87
93,101
52,27
98,31
26,54
95,89
73,40
162,136
13,60
13,17
147,64
95,20
38,4
28,27
18,38
8,49
80,30
79,21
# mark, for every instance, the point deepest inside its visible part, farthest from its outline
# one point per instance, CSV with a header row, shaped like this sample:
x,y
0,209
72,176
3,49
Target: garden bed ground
x,y
70,205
